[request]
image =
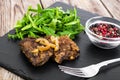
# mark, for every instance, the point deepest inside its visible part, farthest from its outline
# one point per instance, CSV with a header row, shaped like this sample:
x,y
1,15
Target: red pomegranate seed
x,y
105,30
115,28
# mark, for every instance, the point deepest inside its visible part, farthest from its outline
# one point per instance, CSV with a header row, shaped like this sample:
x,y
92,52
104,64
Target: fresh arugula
x,y
49,21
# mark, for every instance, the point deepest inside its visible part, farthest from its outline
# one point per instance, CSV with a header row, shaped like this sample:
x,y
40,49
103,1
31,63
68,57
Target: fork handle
x,y
105,63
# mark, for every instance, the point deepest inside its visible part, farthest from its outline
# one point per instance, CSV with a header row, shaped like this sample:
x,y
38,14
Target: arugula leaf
x,y
48,31
50,21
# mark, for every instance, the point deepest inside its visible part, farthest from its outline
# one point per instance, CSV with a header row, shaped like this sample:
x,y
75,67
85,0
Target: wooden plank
x,y
94,6
113,6
10,12
4,16
47,3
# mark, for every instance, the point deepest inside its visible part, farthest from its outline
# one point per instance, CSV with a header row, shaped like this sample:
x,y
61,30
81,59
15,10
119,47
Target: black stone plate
x,y
13,60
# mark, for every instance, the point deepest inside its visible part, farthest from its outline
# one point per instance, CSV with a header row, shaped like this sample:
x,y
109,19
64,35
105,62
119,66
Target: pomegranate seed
x,y
104,27
95,29
105,30
115,29
111,29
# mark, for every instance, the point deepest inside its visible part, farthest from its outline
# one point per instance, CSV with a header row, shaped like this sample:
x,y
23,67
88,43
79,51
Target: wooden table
x,y
12,10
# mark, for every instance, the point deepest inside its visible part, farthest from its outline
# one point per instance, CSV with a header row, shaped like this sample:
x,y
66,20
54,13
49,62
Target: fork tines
x,y
71,71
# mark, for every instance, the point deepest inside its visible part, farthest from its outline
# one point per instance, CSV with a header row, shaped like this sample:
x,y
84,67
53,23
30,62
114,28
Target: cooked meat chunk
x,y
39,50
68,50
29,46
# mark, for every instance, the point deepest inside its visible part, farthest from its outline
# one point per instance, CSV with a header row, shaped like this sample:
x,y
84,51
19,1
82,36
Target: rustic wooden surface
x,y
12,10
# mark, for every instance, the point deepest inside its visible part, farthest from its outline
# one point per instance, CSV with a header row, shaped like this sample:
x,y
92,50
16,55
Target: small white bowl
x,y
99,41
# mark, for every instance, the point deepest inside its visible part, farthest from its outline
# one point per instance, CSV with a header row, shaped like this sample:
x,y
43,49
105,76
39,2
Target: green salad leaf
x,y
49,21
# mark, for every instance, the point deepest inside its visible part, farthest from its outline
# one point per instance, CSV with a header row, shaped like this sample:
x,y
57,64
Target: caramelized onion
x,y
43,48
35,51
46,44
56,43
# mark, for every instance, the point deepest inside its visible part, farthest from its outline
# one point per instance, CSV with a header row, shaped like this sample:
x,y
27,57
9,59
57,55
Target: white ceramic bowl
x,y
99,41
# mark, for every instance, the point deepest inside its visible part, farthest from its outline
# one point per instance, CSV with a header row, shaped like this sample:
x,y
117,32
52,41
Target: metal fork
x,y
88,71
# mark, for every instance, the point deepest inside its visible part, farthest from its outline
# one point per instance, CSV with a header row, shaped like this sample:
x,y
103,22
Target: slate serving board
x,y
13,60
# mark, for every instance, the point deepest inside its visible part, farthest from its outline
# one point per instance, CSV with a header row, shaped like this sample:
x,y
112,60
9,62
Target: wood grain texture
x,y
113,6
10,12
94,6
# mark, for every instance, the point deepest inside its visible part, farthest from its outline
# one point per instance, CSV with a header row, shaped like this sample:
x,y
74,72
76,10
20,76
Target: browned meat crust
x,y
28,45
68,50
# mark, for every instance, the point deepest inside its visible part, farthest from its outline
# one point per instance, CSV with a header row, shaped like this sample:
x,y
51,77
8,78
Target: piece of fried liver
x,y
28,45
40,50
68,50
